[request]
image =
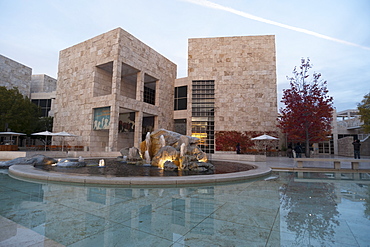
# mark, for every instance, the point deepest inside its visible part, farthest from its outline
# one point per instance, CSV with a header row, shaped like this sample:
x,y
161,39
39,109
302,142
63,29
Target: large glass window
x,y
203,101
150,84
44,104
181,100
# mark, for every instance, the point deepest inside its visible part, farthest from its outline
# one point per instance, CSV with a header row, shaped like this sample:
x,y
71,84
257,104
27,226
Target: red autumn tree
x,y
307,115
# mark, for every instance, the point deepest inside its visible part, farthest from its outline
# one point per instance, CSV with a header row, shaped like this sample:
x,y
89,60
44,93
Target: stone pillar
x,y
114,111
138,128
156,124
189,108
140,86
335,133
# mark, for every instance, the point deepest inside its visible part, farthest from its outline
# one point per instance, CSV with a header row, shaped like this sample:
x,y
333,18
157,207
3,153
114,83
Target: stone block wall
x,y
14,74
365,147
129,90
43,83
102,82
244,71
345,147
90,75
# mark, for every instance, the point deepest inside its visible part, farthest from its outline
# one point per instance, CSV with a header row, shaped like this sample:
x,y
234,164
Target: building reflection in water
x,y
310,209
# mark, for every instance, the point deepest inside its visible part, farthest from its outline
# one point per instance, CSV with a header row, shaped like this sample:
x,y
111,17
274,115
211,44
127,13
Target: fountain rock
x,y
170,166
179,150
37,159
124,151
166,153
134,154
70,163
171,138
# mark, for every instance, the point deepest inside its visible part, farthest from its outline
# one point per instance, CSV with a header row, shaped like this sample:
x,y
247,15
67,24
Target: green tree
x,y
17,112
364,111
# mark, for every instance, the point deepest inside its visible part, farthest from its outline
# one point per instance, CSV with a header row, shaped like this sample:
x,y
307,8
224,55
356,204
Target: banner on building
x,y
101,118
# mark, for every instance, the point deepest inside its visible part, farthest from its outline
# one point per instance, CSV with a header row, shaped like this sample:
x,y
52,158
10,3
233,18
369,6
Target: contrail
x,y
208,4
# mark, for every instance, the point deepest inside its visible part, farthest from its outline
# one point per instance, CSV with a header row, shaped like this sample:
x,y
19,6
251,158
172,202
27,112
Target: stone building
x,y
14,74
113,89
43,93
347,127
231,86
39,88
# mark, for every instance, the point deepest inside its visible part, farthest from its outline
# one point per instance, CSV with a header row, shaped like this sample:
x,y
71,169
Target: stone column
x,y
335,132
138,128
114,111
140,86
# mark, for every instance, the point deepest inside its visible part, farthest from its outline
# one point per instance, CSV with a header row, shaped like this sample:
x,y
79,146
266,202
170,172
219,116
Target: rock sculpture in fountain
x,y
170,151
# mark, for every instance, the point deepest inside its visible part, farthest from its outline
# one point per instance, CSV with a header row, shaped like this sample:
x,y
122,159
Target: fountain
x,y
163,154
170,151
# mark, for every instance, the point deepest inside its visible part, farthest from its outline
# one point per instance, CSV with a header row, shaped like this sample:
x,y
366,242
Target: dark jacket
x,y
356,145
298,149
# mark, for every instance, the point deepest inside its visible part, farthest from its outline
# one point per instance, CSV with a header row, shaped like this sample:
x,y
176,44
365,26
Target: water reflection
x,y
292,210
310,211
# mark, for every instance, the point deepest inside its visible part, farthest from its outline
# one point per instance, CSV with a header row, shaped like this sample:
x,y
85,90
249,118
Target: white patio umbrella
x,y
44,133
11,134
64,134
264,137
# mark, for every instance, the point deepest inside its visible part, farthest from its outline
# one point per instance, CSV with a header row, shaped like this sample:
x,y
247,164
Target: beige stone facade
x,y
116,73
243,71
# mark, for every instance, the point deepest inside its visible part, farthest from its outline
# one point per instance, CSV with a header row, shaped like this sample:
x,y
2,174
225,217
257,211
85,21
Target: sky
x,y
333,34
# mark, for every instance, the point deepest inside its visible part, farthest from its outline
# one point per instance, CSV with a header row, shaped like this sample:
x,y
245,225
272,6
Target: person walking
x,y
356,148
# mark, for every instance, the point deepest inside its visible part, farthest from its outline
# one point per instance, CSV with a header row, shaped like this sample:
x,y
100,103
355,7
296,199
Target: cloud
x,y
209,4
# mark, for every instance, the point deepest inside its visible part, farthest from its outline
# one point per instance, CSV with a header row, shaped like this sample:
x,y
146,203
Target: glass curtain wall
x,y
203,111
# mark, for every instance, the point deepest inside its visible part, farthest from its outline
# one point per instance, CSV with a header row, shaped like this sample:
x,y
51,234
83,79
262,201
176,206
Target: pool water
x,y
118,169
283,209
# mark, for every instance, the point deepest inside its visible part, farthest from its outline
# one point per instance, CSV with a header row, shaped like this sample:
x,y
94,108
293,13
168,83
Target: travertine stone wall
x,y
244,70
345,147
43,83
90,76
14,74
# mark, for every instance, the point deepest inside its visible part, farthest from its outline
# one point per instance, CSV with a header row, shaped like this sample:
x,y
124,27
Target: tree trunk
x,y
307,150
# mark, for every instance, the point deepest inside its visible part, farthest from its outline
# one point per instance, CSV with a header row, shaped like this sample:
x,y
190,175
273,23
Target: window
x,y
203,111
150,84
149,95
181,100
180,126
45,106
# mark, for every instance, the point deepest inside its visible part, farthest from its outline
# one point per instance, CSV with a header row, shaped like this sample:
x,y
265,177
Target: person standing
x,y
298,150
356,148
290,151
238,148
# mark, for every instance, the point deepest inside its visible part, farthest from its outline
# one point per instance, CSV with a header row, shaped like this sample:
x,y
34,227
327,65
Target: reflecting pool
x,y
283,209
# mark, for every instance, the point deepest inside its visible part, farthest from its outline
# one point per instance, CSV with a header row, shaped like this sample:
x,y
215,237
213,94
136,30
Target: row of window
x,y
203,101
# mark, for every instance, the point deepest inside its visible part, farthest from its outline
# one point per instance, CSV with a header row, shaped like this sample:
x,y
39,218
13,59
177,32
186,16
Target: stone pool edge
x,y
28,172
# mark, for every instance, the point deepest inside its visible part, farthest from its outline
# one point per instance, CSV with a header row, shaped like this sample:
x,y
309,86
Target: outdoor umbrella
x,y
11,134
264,137
44,133
64,134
